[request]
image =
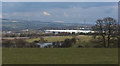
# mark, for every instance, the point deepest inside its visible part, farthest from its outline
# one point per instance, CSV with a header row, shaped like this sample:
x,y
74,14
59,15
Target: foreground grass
x,y
60,56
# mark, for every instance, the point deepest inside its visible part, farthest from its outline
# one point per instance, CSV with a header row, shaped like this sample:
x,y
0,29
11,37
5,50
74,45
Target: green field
x,y
83,40
61,38
72,55
60,56
51,39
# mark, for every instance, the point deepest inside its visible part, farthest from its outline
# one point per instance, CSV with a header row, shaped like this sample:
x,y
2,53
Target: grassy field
x,y
51,39
83,40
71,55
60,56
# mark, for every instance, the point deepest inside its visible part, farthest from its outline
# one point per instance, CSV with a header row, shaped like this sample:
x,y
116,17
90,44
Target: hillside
x,y
25,24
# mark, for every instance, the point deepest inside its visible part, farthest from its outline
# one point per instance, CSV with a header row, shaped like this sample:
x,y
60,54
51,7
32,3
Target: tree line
x,y
21,43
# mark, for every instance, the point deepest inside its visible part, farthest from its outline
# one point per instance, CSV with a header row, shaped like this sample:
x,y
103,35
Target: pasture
x,y
83,40
51,38
60,56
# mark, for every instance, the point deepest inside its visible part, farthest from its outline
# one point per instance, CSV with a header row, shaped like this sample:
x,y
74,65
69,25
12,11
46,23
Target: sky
x,y
63,12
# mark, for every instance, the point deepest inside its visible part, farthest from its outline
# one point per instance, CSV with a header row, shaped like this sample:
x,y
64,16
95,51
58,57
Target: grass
x,y
84,40
60,55
71,55
51,39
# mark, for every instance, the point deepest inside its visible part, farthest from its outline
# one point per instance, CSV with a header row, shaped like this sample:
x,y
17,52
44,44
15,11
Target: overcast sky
x,y
60,11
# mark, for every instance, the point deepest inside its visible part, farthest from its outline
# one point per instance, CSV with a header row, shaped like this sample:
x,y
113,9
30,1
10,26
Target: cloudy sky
x,y
60,11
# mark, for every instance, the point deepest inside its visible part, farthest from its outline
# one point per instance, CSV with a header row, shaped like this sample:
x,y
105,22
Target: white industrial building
x,y
69,31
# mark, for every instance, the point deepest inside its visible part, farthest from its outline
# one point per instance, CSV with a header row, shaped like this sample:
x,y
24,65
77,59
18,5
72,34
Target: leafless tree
x,y
106,28
110,28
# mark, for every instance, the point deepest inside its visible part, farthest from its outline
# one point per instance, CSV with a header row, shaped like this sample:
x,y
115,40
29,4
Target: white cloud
x,y
0,16
59,21
66,15
46,13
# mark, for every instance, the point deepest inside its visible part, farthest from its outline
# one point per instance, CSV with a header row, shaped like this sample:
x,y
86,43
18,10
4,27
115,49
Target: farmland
x,y
51,39
72,55
83,40
60,55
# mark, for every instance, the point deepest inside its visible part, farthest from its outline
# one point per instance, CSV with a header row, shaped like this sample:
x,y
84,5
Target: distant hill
x,y
8,24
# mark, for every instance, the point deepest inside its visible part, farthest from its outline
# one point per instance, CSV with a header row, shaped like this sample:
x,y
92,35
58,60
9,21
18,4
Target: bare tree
x,y
99,29
106,28
110,28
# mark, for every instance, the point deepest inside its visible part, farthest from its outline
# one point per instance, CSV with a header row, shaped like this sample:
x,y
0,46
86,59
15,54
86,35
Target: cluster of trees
x,y
42,40
23,35
65,44
34,35
20,43
14,43
107,28
68,43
